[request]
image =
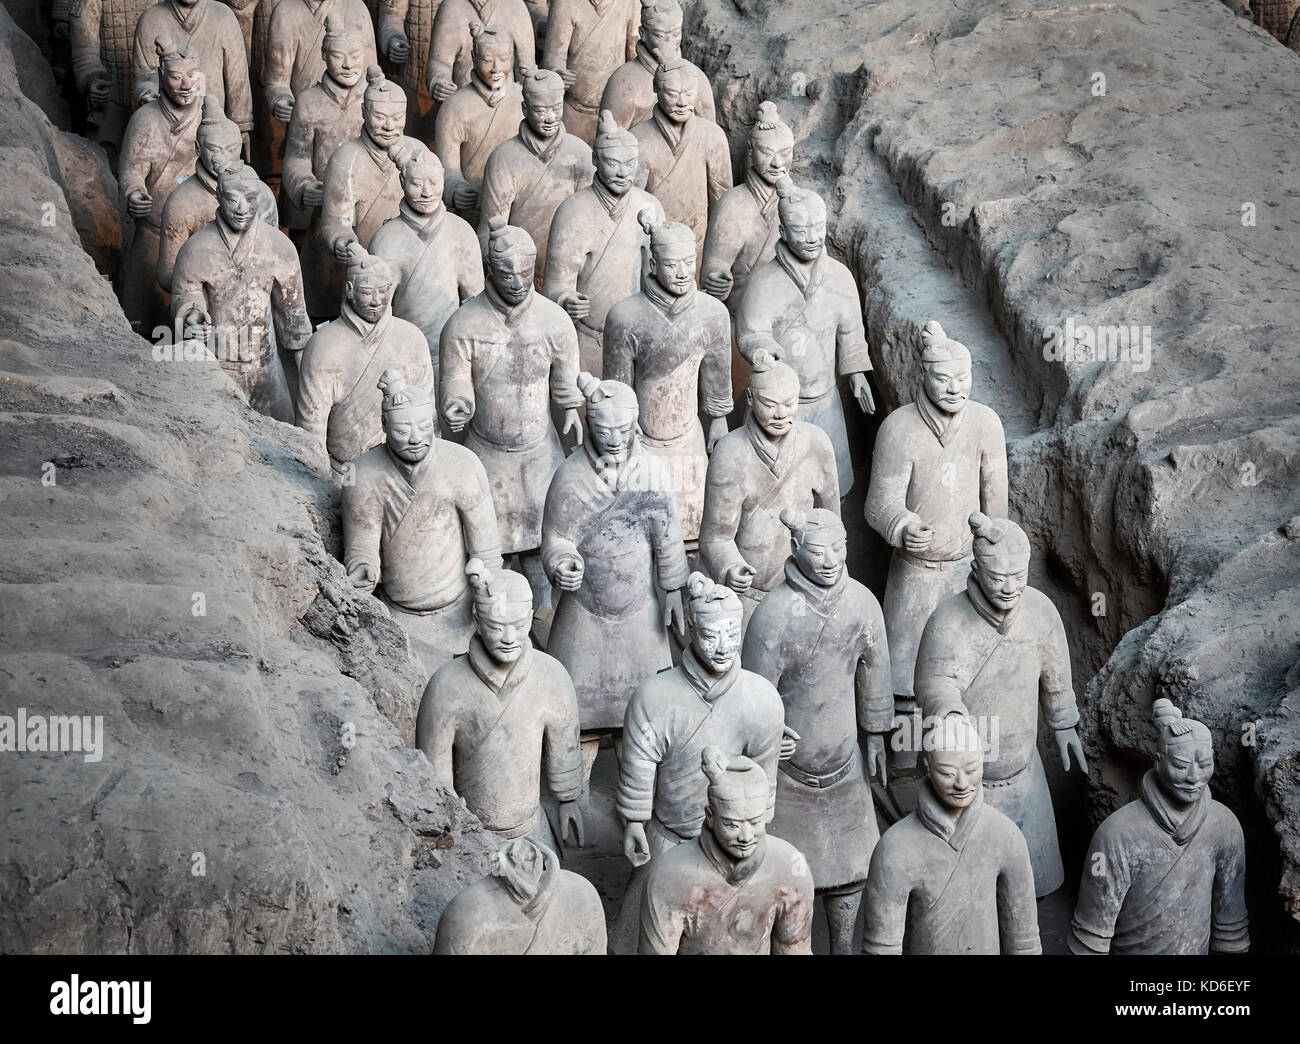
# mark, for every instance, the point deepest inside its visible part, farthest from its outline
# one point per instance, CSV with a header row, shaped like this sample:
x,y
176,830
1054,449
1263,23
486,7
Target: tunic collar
x,y
645,59
378,155
806,275
190,19
1182,824
235,240
410,472
617,477
708,686
510,314
615,206
343,97
671,306
543,148
823,600
426,225
358,325
764,194
771,452
943,424
1000,620
492,674
491,95
204,178
951,826
602,6
674,134
734,871
178,120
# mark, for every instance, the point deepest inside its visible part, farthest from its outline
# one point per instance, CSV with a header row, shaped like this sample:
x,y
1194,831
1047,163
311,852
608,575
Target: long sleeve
x,y
525,42
718,167
873,680
704,106
643,750
558,544
292,327
619,351
754,324
478,518
993,471
891,473
315,394
133,165
188,288
715,377
1102,887
448,135
435,732
826,486
173,233
662,920
559,31
239,92
280,50
84,42
455,369
469,280
392,23
565,368
724,501
497,192
765,750
888,890
1055,690
1017,905
723,242
299,143
935,673
792,929
144,70
338,207
665,531
764,650
566,253
563,752
1229,925
852,355
632,32
362,513
447,41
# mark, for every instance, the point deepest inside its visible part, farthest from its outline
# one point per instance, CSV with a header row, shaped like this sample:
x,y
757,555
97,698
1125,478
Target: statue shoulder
x,y
761,694
817,440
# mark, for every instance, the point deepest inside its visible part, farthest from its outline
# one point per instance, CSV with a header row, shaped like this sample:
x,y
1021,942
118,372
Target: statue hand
x,y
97,91
313,195
636,848
740,577
568,575
399,49
789,741
197,325
876,757
917,537
457,414
674,614
139,203
571,822
283,109
717,429
465,197
568,76
1067,740
574,424
341,248
576,304
862,392
441,89
363,576
718,283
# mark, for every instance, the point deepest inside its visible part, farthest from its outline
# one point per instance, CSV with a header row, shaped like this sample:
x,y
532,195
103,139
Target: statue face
x,y
1184,767
238,204
410,431
658,38
738,824
673,266
544,117
612,432
805,234
1002,578
503,629
616,167
217,155
493,65
774,408
422,188
771,160
385,121
947,384
180,82
344,62
956,775
715,637
369,296
513,276
821,556
676,94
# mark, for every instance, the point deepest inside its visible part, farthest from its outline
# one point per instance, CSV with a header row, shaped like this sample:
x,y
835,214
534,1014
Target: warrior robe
x,y
687,168
511,364
339,401
591,38
1173,880
598,248
1003,667
936,468
324,117
675,352
451,48
415,526
564,917
812,313
438,264
414,18
470,125
954,881
526,179
623,522
212,32
744,229
750,480
699,899
487,729
824,650
247,281
192,205
101,41
158,153
630,96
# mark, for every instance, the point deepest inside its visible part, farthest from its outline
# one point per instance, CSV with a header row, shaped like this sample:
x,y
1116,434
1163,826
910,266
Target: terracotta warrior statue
x,y
953,877
586,40
686,159
528,176
419,509
819,637
101,38
451,50
324,117
630,90
238,282
338,389
672,716
803,307
209,31
510,357
612,544
1166,873
435,253
734,889
770,463
597,245
193,203
672,344
998,653
936,460
488,720
405,28
158,152
527,905
745,226
476,119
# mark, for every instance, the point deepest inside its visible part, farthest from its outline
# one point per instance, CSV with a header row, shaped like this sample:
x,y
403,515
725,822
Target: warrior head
x,y
503,610
676,89
803,220
1184,754
672,253
369,285
519,865
544,103
617,155
343,50
713,615
421,175
736,812
818,544
409,417
945,369
954,760
238,189
612,412
1001,563
383,109
179,75
492,52
773,394
510,257
219,140
771,146
661,28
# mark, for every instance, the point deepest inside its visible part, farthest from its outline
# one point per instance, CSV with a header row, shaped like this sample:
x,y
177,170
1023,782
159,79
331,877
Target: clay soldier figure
x,y
231,277
324,117
803,308
158,150
451,49
586,40
612,544
745,226
101,42
338,397
673,715
819,637
531,174
435,254
1166,873
476,119
509,356
527,905
672,344
208,30
770,463
630,90
419,509
597,243
405,28
954,875
489,719
734,889
998,652
686,159
193,203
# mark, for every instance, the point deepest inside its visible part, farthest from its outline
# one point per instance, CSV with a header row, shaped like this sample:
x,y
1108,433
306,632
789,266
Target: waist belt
x,y
929,563
990,784
810,780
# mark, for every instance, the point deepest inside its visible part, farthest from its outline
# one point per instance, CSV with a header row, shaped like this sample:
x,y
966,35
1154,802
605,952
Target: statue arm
x,y
132,165
478,520
297,172
525,45
1102,888
704,105
565,367
469,280
718,168
435,734
826,491
724,501
558,546
187,287
292,327
851,350
362,518
496,195
1229,925
619,358
884,901
446,42
669,549
715,375
873,683
792,929
723,242
565,256
1017,905
559,31
662,921
84,44
448,135
392,22
563,750
172,234
338,205
315,394
754,324
934,676
1055,689
239,92
455,370
643,749
144,73
891,473
993,474
279,61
